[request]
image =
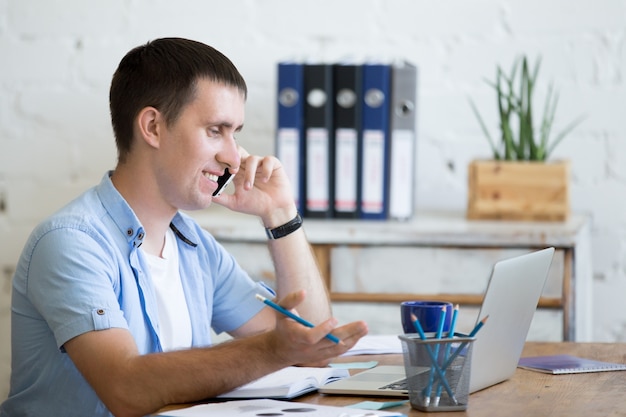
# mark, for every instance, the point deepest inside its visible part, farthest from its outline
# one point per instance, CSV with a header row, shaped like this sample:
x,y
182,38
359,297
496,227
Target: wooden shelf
x,y
341,246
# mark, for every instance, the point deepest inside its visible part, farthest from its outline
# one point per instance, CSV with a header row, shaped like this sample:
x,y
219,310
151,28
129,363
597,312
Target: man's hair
x,y
163,74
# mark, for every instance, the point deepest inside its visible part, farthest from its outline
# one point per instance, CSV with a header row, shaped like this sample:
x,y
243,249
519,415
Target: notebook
x,y
567,364
287,383
510,302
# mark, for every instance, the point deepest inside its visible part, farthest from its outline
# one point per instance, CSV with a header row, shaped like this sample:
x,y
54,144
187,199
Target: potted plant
x,y
520,182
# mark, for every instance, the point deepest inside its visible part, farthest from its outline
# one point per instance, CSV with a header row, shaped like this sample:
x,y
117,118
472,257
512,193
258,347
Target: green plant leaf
x,y
505,108
515,107
527,148
492,144
512,147
552,99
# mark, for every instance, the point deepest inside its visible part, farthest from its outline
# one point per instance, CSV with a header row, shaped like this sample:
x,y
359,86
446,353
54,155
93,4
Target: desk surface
x,y
530,393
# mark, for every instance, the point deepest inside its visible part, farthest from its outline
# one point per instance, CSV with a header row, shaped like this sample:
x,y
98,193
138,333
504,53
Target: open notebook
x,y
288,383
510,302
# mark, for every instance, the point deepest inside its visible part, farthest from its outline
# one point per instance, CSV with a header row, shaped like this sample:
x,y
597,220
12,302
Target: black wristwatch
x,y
286,229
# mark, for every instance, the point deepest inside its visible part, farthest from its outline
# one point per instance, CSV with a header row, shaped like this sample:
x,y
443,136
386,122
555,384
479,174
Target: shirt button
x,y
100,312
140,236
129,232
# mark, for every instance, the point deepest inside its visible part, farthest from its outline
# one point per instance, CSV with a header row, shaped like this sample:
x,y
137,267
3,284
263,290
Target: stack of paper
x,y
254,408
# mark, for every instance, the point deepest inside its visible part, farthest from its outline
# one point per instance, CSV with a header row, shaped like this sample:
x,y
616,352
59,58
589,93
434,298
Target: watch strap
x,y
285,229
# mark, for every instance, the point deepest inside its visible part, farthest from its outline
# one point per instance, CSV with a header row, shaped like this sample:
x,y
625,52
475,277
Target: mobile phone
x,y
222,182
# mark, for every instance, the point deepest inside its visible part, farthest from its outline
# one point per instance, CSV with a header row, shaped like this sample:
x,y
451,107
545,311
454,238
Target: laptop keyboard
x,y
400,385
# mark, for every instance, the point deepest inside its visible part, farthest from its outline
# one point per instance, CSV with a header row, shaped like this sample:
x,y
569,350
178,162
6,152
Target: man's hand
x,y
309,346
262,189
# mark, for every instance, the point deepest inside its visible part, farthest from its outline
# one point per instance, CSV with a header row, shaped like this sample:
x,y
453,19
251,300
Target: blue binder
x,y
290,126
375,148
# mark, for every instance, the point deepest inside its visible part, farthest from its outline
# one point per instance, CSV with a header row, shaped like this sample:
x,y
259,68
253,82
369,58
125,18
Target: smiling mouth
x,y
211,177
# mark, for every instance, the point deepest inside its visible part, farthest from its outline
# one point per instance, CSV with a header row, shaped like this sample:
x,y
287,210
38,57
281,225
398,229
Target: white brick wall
x,y
57,58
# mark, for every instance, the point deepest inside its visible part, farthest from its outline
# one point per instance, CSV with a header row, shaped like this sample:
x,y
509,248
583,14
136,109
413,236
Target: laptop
x,y
510,302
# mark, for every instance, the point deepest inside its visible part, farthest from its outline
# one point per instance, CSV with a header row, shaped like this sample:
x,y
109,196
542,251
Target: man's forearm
x,y
297,269
141,384
221,368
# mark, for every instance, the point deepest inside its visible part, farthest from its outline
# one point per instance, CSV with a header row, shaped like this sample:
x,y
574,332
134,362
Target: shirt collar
x,y
127,222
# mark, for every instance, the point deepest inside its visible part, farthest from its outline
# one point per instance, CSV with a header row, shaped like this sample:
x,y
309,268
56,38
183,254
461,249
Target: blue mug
x,y
428,313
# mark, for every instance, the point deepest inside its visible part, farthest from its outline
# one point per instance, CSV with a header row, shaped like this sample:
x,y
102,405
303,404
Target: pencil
x,y
462,346
293,316
431,379
442,322
455,314
478,326
433,359
418,327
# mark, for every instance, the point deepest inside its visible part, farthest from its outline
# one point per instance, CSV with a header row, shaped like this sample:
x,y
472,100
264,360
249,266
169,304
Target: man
x,y
114,296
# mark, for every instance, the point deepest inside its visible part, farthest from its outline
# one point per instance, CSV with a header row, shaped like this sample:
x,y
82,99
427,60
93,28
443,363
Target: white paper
x,y
254,408
376,345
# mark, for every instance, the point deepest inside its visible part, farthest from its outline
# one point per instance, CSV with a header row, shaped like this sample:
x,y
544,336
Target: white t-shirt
x,y
174,321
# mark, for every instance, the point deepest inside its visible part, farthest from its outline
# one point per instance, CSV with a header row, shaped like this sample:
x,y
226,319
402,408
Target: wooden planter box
x,y
518,190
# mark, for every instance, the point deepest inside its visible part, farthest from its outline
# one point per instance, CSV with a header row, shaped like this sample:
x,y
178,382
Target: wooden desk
x,y
527,393
530,393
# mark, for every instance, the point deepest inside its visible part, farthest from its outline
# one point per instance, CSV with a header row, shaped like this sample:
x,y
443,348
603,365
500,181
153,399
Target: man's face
x,y
197,148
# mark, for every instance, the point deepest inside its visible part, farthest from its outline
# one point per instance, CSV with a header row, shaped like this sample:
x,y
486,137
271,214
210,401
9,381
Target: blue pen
x,y
293,316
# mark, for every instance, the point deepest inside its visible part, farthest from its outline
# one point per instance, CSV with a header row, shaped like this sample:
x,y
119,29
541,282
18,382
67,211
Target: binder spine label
x,y
373,184
401,174
346,170
289,155
317,171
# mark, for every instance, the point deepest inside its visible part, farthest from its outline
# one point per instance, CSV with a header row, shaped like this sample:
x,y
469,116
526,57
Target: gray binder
x,y
403,137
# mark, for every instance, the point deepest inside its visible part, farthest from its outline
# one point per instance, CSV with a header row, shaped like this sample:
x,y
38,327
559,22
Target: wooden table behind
x,y
530,393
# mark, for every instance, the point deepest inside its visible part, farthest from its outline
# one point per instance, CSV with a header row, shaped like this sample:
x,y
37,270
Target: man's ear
x,y
149,123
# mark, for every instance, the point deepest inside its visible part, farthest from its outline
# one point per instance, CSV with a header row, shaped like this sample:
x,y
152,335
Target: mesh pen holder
x,y
438,371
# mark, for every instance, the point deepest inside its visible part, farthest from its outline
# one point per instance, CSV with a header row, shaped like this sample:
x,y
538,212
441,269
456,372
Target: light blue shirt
x,y
81,271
